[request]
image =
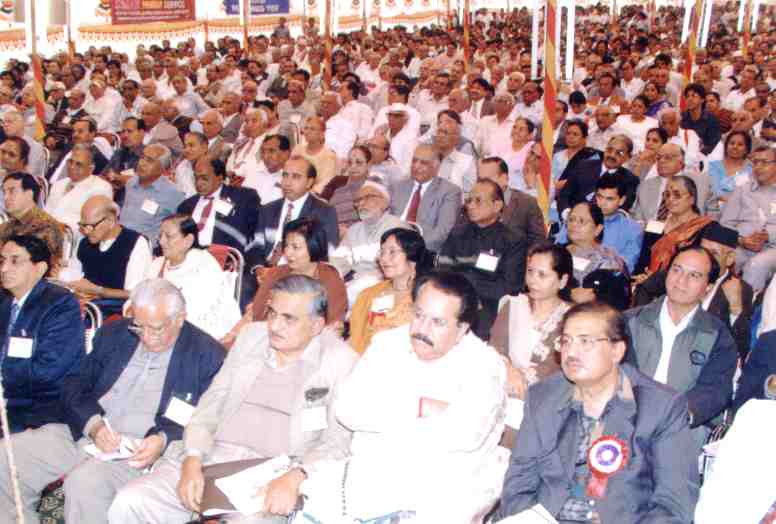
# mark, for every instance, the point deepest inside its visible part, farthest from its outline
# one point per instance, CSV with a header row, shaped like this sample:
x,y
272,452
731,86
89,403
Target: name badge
x,y
580,264
179,411
773,208
655,226
295,119
314,419
66,119
383,303
487,262
128,172
149,206
223,207
20,347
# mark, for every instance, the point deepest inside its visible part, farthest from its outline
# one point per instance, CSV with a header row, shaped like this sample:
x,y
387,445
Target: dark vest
x,y
108,269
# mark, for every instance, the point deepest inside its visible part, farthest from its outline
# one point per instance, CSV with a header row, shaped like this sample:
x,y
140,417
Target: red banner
x,y
147,11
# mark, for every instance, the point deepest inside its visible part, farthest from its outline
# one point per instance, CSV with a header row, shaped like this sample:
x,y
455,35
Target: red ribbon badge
x,y
607,456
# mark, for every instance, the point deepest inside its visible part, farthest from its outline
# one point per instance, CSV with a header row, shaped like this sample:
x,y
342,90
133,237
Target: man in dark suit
x,y
617,152
296,182
676,342
758,377
43,336
521,212
145,375
427,199
225,215
599,404
730,298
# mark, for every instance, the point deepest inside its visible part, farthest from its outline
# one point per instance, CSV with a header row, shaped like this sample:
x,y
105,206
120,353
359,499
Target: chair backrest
x,y
231,261
45,187
3,217
68,244
93,318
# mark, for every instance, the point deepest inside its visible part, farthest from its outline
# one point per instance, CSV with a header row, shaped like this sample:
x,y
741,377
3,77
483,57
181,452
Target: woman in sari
x,y
731,172
527,324
683,224
388,304
576,169
656,97
517,152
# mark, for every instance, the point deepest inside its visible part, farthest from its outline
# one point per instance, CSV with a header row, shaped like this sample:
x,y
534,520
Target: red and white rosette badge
x,y
607,456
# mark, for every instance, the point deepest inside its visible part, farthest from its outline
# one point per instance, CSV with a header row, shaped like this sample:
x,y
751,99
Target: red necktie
x,y
205,213
412,211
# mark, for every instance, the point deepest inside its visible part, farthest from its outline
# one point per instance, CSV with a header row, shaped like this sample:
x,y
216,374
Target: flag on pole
x,y
692,43
550,94
40,101
466,49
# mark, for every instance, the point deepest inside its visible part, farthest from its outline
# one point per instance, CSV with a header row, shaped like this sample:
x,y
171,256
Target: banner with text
x,y
258,7
146,11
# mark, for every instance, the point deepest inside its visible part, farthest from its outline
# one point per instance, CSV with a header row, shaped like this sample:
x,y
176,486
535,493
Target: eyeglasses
x,y
762,162
613,151
91,227
583,342
676,195
153,331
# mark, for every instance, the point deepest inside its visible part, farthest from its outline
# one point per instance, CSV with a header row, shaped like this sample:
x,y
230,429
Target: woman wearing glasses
x,y
388,304
682,227
210,303
528,324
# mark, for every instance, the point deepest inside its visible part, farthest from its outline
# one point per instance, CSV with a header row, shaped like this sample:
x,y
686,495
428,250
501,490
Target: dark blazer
x,y
51,317
231,131
196,359
235,229
521,215
759,366
269,226
631,185
658,485
581,174
655,287
702,362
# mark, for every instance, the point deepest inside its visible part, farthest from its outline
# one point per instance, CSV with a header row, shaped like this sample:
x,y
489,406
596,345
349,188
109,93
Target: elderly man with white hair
x,y
139,370
340,132
149,196
687,139
495,131
13,125
212,123
103,108
244,162
357,253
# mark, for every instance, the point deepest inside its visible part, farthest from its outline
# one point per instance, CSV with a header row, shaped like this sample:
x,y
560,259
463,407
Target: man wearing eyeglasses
x,y
677,342
593,431
113,258
651,208
489,254
131,397
751,210
274,396
69,194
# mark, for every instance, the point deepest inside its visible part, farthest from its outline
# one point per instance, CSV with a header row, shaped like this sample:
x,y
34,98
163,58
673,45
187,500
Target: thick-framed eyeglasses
x,y
91,227
153,331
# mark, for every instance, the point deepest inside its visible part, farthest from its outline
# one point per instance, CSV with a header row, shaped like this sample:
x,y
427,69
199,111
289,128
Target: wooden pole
x,y
246,12
691,46
37,69
535,40
467,36
69,26
550,94
328,71
570,28
747,27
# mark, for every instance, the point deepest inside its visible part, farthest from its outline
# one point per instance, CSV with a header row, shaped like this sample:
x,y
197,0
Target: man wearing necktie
x,y
43,335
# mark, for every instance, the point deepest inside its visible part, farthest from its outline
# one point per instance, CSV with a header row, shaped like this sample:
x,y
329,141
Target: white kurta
x,y
446,466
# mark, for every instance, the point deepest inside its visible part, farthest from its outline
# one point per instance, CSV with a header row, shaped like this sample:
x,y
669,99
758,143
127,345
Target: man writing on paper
x,y
593,432
426,405
273,397
138,375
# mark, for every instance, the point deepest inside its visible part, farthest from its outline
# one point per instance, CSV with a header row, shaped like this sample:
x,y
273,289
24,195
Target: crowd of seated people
x,y
368,265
